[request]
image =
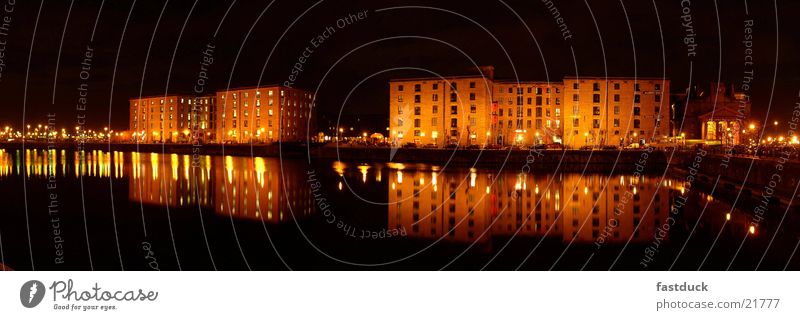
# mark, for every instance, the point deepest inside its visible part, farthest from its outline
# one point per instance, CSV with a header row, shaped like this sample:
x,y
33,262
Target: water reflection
x,y
476,206
456,206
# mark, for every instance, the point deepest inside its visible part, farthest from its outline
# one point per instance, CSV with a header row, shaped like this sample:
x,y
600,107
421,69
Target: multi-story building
x,y
171,119
441,111
527,113
264,114
478,110
602,111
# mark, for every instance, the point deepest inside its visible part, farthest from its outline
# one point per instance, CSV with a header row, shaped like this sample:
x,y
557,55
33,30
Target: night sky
x,y
154,47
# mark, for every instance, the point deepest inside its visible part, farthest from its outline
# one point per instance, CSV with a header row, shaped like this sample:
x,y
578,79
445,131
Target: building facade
x,y
578,112
264,114
618,112
454,110
171,119
716,115
527,113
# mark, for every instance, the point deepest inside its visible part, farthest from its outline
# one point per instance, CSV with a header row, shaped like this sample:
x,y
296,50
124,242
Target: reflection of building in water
x,y
55,163
613,214
433,206
460,207
159,179
260,188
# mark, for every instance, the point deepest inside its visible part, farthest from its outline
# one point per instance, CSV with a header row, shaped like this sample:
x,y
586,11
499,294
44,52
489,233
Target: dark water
x,y
140,211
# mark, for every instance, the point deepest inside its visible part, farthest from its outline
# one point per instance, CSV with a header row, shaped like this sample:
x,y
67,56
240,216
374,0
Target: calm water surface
x,y
141,211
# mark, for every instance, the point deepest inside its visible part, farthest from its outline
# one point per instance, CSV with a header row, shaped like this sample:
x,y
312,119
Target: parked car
x,y
410,145
493,147
586,148
473,147
610,147
429,146
452,146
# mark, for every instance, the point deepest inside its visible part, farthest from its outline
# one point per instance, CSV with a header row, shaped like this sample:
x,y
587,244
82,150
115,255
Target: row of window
x,y
596,123
636,98
596,86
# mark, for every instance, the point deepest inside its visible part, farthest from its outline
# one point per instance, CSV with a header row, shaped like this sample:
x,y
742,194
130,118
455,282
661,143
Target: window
x,y
417,88
530,101
472,85
596,98
417,98
529,112
399,122
519,100
616,98
435,86
453,97
575,86
636,123
538,100
558,101
596,111
472,97
616,123
529,124
636,98
453,123
399,88
637,111
575,97
453,109
616,86
435,109
472,121
417,123
636,87
399,98
538,123
596,123
616,109
658,87
417,133
538,112
434,122
501,112
417,110
596,86
399,110
435,97
657,98
575,123
473,108
539,91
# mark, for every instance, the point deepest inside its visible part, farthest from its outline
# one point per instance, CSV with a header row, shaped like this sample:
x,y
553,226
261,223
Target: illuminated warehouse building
x,y
171,119
479,110
264,114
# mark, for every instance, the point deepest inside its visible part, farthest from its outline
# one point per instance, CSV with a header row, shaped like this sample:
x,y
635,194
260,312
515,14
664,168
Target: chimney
x,y
487,71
